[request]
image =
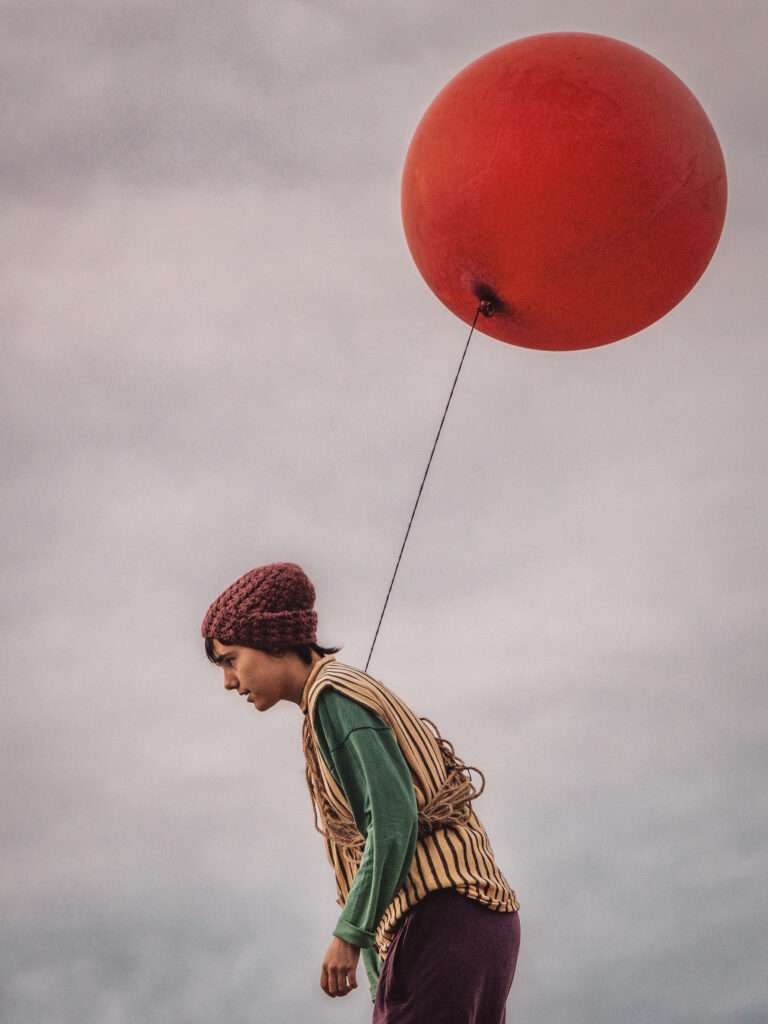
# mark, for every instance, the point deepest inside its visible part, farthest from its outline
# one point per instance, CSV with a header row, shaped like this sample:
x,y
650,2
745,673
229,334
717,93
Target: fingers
x,y
337,981
338,976
349,981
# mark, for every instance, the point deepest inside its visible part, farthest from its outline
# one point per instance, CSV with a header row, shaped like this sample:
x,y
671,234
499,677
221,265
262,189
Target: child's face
x,y
263,678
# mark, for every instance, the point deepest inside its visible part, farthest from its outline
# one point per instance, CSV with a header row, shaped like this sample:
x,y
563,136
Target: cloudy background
x,y
217,352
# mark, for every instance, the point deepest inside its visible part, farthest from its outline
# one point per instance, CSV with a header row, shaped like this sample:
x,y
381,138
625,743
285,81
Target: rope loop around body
x,y
333,824
452,803
450,806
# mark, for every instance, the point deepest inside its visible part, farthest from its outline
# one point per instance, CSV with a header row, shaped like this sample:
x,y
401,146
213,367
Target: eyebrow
x,y
213,657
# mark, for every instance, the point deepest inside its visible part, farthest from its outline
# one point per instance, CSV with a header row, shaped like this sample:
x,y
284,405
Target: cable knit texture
x,y
271,607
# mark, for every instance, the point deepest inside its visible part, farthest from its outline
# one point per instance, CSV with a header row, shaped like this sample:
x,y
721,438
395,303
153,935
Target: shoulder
x,y
338,715
342,700
344,680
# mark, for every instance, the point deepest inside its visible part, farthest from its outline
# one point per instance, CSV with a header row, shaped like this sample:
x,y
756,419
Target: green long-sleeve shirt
x,y
363,756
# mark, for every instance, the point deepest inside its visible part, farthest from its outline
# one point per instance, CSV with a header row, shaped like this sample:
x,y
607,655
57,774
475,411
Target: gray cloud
x,y
309,92
218,352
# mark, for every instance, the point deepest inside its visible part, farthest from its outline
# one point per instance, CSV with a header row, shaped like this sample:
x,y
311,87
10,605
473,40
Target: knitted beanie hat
x,y
269,607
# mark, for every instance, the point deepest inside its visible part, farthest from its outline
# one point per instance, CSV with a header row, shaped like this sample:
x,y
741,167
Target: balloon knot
x,y
487,300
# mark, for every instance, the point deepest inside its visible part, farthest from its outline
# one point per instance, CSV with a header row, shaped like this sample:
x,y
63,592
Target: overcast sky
x,y
217,352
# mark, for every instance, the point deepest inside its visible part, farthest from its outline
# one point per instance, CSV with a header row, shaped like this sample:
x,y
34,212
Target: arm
x,y
365,759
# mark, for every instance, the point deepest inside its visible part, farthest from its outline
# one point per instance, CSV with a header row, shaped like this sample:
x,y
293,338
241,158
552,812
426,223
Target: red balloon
x,y
571,179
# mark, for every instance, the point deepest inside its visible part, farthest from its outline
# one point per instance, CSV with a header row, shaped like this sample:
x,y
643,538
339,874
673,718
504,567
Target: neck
x,y
299,673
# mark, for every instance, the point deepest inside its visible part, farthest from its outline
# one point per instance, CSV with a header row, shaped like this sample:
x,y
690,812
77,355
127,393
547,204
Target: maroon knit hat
x,y
269,607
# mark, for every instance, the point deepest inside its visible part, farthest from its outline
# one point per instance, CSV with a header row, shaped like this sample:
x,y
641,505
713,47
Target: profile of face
x,y
264,679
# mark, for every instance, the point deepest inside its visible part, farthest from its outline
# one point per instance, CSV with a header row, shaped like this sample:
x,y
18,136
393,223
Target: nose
x,y
230,680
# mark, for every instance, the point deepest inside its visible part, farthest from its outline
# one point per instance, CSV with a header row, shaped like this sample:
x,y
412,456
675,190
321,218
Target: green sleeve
x,y
364,758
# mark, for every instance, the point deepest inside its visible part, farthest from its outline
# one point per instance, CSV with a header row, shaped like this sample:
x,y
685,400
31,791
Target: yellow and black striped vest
x,y
458,856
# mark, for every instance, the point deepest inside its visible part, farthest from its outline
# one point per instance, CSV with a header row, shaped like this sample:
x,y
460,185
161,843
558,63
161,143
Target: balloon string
x,y
486,308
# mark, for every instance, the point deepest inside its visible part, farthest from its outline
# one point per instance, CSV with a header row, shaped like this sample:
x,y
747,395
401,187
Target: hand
x,y
339,969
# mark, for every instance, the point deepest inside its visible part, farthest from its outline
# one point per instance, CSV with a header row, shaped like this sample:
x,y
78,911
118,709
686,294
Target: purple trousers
x,y
452,962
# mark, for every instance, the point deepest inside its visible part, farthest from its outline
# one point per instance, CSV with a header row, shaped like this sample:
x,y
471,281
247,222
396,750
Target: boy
x,y
420,891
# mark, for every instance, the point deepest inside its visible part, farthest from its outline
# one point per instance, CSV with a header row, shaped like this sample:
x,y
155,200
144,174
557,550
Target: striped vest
x,y
457,856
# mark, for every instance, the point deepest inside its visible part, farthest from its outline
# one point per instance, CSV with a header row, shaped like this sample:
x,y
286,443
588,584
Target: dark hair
x,y
303,651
